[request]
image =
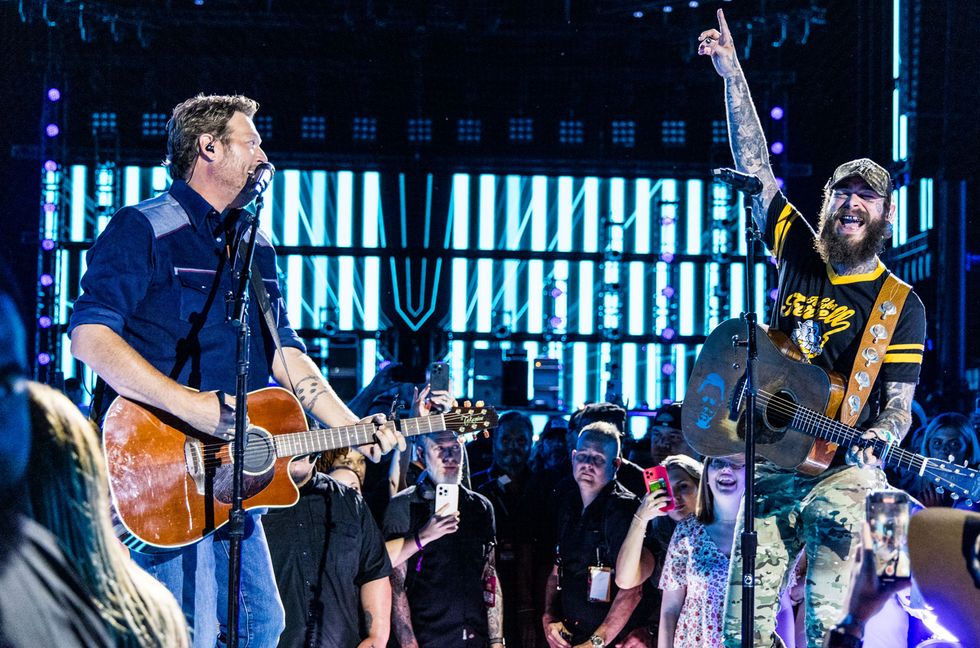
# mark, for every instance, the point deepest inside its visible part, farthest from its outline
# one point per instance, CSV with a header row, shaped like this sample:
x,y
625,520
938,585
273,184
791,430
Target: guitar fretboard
x,y
346,436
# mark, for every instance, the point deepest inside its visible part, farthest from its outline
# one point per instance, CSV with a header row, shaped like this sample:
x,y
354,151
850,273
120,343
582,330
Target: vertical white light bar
x,y
457,368
532,353
131,185
580,365
902,216
369,360
290,236
761,294
695,214
663,272
635,298
590,215
318,233
461,211
903,137
628,368
668,215
79,177
372,265
345,264
539,243
586,285
680,372
895,114
484,267
605,358
590,243
714,311
159,180
896,40
685,297
564,204
458,311
653,375
513,217
737,293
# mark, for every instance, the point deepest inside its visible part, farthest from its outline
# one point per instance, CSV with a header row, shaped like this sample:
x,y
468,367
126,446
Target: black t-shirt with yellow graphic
x,y
825,313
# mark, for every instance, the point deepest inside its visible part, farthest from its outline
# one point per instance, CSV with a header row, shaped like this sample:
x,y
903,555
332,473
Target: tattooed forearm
x,y
495,614
748,141
896,417
401,614
309,390
367,621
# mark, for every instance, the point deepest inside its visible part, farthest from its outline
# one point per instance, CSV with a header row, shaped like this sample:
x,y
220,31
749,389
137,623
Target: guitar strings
x,y
848,434
220,452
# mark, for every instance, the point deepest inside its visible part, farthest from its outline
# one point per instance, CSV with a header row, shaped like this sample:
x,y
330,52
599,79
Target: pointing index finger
x,y
723,25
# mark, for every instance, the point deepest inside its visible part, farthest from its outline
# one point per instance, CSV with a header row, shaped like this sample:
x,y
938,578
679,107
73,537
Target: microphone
x,y
738,181
261,177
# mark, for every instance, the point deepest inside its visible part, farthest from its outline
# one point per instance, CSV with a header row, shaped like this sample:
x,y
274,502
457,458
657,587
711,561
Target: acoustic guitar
x,y
797,407
172,486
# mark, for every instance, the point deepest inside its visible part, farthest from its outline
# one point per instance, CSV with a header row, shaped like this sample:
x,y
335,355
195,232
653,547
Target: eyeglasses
x,y
866,195
596,460
719,464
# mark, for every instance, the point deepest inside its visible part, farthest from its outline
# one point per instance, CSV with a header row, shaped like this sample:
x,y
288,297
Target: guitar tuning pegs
x,y
950,458
954,496
486,434
940,490
466,403
480,403
969,503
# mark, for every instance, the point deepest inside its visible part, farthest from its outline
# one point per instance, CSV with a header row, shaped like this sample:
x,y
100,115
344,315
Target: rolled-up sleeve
x,y
119,271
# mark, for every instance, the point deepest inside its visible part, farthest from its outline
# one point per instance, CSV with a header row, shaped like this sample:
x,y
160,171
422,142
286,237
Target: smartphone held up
x,y
888,518
656,479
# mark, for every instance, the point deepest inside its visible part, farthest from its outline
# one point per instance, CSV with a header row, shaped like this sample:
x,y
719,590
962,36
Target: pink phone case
x,y
656,478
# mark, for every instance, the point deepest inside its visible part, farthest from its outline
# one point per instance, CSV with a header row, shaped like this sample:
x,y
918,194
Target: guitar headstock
x,y
469,419
960,481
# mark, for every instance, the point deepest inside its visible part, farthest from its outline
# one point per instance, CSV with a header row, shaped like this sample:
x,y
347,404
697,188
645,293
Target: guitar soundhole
x,y
777,412
260,452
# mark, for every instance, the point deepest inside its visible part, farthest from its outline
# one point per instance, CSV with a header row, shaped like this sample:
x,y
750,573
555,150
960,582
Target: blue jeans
x,y
198,577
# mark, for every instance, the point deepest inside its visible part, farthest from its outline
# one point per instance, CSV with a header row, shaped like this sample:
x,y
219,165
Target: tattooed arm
x,y
894,421
748,142
495,613
376,604
401,614
319,399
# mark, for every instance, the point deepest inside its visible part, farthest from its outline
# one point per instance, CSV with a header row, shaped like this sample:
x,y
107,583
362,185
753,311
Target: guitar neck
x,y
822,427
347,436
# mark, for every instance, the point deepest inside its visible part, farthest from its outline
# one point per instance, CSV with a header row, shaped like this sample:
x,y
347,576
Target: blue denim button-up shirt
x,y
159,275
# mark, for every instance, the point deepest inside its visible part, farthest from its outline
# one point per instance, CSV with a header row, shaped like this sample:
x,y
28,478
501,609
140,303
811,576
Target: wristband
x,y
418,543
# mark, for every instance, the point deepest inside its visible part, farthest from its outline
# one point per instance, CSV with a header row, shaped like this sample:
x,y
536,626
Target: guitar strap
x,y
878,331
265,305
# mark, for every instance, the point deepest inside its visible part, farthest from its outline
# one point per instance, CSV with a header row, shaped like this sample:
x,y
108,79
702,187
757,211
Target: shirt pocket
x,y
343,549
197,307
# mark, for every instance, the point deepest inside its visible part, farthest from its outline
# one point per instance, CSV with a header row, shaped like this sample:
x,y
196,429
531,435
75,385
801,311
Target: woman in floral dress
x,y
695,572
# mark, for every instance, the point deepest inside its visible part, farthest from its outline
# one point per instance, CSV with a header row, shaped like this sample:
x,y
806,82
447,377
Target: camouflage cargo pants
x,y
822,514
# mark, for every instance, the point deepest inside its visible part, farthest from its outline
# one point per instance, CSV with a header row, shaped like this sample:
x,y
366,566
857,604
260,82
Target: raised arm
x,y
745,134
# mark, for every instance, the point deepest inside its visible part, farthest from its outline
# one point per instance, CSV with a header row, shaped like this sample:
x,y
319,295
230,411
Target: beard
x,y
837,250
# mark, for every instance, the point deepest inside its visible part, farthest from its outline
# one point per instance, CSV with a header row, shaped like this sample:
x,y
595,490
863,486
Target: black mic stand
x,y
749,537
236,516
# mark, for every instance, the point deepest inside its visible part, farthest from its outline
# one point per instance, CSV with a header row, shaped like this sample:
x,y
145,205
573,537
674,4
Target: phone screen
x,y
888,517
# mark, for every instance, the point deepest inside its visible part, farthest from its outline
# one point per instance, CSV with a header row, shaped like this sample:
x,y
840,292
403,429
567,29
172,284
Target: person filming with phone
x,y
440,537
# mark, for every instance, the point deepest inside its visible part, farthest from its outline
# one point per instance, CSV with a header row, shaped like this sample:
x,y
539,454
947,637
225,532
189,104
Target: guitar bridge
x,y
194,462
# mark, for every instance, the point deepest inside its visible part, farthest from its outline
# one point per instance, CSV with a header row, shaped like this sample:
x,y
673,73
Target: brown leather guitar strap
x,y
878,332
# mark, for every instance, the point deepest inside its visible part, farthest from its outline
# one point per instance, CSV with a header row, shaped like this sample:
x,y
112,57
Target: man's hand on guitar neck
x,y
891,425
386,438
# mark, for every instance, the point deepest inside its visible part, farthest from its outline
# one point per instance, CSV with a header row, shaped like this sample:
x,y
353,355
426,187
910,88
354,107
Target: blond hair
x,y
70,497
